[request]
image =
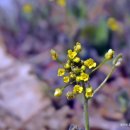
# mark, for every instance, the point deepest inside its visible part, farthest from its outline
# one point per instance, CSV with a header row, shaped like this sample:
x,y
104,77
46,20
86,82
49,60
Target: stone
x,y
21,93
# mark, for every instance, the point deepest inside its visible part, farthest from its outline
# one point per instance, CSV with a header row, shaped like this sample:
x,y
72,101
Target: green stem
x,y
60,62
67,85
105,80
86,114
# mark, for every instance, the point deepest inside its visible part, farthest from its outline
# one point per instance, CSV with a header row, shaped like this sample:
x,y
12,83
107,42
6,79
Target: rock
x,y
21,95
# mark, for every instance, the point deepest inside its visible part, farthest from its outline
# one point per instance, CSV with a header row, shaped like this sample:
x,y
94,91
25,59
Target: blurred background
x,y
28,76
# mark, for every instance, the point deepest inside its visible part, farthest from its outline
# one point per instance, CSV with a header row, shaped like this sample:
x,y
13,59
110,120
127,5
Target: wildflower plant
x,y
76,73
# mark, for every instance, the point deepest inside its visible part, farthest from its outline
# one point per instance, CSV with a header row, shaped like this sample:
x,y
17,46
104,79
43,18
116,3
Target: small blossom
x,y
90,63
66,79
113,24
77,89
72,54
84,76
109,54
72,75
61,2
67,66
58,92
78,79
76,60
27,8
77,47
61,72
83,67
89,92
54,55
70,95
76,70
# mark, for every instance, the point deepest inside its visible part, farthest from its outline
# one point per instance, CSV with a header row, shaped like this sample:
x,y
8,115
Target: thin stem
x,y
105,80
60,62
86,114
67,85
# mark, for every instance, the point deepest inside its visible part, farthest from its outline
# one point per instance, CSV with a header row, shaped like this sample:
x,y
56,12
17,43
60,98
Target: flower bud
x,y
76,60
70,95
113,24
78,79
76,70
72,75
83,67
67,66
89,92
109,54
58,92
54,55
77,47
118,60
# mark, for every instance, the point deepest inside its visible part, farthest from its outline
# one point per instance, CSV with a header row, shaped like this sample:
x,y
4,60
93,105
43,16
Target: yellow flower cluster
x,y
74,70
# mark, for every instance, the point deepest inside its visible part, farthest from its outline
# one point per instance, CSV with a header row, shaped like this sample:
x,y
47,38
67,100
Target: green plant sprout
x,y
77,73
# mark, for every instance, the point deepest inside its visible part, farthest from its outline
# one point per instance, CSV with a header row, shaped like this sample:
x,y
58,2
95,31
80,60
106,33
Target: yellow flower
x,y
27,8
90,63
54,55
72,54
61,72
76,60
72,75
78,79
58,92
77,89
109,54
70,95
83,67
84,76
61,3
113,24
77,47
89,92
66,79
67,66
